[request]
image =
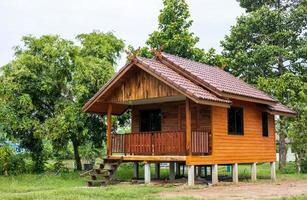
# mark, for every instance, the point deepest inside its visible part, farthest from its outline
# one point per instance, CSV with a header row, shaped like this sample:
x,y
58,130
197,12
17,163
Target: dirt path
x,y
244,191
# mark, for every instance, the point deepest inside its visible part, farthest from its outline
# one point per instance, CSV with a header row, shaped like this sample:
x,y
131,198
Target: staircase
x,y
103,175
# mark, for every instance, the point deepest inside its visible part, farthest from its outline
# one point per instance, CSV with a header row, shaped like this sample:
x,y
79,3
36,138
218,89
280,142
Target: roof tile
x,y
179,80
217,78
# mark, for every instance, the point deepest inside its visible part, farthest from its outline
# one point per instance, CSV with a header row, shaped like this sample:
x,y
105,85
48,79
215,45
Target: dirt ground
x,y
258,190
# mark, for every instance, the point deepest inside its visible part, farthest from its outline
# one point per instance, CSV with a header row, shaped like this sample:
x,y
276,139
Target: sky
x,y
130,20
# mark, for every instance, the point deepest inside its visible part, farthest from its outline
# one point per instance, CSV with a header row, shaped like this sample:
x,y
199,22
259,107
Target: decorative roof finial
x,y
158,52
132,54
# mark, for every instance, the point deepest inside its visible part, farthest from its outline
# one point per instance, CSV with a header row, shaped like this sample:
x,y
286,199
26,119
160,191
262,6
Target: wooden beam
x,y
109,129
188,127
149,158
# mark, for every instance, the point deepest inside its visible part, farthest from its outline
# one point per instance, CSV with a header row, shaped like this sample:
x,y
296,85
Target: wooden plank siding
x,y
139,85
247,148
173,116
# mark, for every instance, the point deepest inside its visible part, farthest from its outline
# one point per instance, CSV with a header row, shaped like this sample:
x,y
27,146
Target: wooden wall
x,y
139,85
247,148
174,116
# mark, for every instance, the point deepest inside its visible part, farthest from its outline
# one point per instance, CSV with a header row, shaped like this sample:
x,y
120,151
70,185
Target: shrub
x,y
304,166
10,162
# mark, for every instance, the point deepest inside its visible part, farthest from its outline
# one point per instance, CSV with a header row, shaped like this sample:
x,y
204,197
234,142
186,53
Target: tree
x,y
269,41
173,35
44,88
290,90
30,86
93,67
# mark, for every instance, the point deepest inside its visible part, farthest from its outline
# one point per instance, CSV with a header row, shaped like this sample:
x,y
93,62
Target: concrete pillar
x,y
191,175
214,174
171,171
254,171
273,171
177,169
157,170
147,173
235,174
136,170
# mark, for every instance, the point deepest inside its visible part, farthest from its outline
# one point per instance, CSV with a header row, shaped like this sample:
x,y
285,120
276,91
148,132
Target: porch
x,y
157,143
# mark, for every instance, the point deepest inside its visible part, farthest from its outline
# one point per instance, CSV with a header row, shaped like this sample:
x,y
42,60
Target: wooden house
x,y
187,113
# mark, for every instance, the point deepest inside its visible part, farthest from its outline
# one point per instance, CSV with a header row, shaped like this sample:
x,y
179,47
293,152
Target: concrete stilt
x,y
147,173
273,171
136,170
171,171
191,175
235,175
157,170
214,174
254,171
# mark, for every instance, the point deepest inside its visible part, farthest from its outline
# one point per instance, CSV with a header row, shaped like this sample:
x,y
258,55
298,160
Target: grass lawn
x,y
71,186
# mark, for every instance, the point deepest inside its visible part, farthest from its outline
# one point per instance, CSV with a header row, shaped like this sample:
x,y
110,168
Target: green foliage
x,y
29,87
89,152
291,90
267,43
44,88
10,162
173,35
252,5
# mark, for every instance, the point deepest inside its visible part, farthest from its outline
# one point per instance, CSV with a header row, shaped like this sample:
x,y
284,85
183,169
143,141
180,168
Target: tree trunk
x,y
298,162
76,154
282,145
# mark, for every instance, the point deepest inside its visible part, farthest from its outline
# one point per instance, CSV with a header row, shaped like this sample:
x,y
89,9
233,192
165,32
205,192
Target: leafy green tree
x,y
252,5
29,87
173,35
93,67
44,88
290,90
269,41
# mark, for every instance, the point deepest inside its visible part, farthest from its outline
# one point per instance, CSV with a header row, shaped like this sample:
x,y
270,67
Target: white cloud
x,y
131,20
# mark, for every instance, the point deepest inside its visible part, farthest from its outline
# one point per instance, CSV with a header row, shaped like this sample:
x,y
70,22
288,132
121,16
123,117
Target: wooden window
x,y
265,124
150,120
235,121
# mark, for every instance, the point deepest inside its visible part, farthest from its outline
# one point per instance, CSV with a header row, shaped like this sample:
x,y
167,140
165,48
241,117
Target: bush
x,y
304,166
10,162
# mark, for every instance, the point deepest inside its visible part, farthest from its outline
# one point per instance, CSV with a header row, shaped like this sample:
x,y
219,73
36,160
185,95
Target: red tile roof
x,y
217,78
198,81
282,109
179,81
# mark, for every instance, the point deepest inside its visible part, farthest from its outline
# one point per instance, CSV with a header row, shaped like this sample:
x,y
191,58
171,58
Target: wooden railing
x,y
160,143
149,143
200,142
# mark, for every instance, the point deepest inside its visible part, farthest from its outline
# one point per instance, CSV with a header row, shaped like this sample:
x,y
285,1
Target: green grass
x,y
70,186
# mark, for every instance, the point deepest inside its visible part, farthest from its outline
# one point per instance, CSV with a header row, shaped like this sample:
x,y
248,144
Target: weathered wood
x,y
109,129
188,127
